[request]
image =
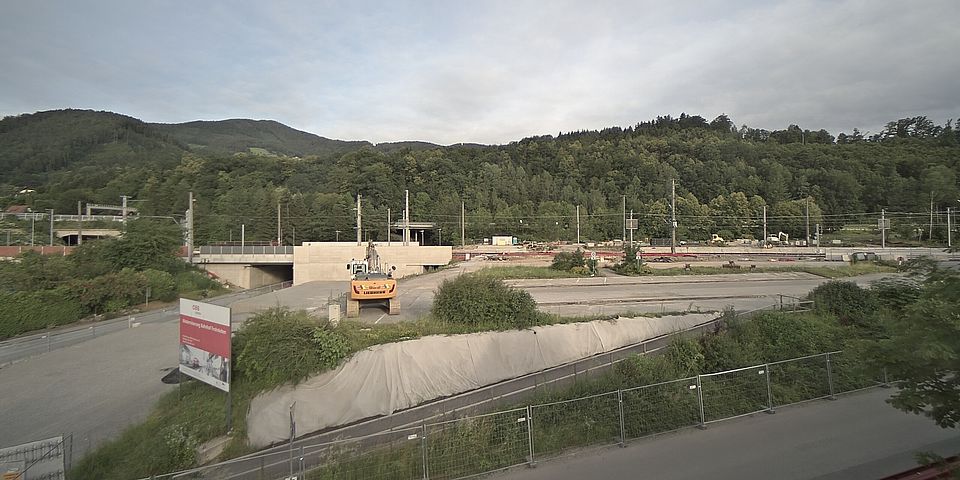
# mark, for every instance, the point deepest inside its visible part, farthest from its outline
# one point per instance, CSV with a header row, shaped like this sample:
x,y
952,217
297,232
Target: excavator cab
x,y
370,284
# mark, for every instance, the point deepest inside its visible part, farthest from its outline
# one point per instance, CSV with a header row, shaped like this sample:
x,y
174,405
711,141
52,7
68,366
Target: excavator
x,y
369,283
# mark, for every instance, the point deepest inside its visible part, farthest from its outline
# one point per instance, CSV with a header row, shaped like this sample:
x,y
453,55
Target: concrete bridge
x,y
255,266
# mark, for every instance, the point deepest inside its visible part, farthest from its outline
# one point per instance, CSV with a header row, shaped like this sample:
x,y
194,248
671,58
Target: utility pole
x,y
673,215
624,218
930,235
406,217
123,211
883,228
243,236
806,204
949,234
33,223
463,226
578,224
764,242
388,227
632,229
359,222
279,233
80,228
51,227
190,229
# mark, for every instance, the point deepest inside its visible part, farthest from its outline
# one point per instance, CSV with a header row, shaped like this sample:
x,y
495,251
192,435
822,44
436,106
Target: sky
x,y
487,72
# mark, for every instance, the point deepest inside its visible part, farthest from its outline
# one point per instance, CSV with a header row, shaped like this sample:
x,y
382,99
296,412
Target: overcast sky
x,y
482,71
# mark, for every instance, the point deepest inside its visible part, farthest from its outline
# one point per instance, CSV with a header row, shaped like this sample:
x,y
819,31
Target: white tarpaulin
x,y
386,378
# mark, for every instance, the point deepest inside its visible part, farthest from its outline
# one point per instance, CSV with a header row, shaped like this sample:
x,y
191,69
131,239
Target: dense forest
x,y
240,171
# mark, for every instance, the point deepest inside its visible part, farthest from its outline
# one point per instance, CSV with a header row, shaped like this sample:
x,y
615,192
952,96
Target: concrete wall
x,y
315,261
248,276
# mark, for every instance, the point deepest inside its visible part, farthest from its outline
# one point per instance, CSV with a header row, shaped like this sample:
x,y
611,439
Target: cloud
x,y
489,72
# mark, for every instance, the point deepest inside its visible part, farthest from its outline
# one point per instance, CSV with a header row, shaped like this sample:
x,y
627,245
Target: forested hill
x,y
262,136
725,177
35,145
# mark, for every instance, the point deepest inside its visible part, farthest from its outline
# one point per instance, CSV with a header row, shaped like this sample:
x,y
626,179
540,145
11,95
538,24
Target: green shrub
x,y
193,280
896,293
162,285
26,311
851,304
567,261
478,300
278,346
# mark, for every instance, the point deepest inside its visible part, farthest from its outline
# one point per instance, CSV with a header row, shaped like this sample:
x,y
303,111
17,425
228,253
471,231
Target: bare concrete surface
x,y
93,389
858,436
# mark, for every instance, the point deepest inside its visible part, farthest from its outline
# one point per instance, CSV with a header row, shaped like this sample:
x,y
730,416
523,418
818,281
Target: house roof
x,y
18,209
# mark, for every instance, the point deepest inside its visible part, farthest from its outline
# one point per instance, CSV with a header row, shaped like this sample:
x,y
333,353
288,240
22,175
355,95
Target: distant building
x,y
503,240
17,209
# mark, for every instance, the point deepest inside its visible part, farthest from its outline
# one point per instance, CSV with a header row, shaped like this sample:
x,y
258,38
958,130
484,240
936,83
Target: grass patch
x,y
520,272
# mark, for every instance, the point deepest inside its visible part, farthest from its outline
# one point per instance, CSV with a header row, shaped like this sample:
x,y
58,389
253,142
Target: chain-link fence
x,y
478,444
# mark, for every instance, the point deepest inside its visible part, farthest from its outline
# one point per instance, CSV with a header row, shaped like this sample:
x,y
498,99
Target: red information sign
x,y
205,342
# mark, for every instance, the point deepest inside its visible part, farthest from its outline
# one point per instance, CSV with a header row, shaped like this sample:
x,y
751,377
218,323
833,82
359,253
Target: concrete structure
x,y
314,261
247,266
247,275
501,240
69,235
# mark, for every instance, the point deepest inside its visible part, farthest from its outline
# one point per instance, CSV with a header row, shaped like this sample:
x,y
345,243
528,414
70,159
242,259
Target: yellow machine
x,y
371,284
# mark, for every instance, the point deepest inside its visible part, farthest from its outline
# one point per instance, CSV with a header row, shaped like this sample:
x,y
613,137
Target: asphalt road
x,y
95,386
858,436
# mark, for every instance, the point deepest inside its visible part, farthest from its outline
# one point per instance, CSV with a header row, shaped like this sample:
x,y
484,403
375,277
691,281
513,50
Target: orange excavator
x,y
370,283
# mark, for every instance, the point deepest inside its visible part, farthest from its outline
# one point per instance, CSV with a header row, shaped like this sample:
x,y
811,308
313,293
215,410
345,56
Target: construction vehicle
x,y
370,283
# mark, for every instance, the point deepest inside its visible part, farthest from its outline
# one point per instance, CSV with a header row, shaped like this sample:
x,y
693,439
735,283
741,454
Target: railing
x,y
16,348
64,218
479,444
247,250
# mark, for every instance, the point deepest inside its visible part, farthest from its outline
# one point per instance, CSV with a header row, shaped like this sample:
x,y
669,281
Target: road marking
x,y
381,318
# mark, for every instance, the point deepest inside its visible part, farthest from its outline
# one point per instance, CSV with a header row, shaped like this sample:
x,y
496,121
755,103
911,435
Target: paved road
x,y
855,437
96,387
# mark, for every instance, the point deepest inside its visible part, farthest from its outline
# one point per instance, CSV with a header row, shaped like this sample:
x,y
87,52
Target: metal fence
x,y
14,349
47,459
479,444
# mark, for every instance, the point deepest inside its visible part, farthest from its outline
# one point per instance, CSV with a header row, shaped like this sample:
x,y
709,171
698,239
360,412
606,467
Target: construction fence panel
x,y
799,380
474,445
396,455
734,393
583,421
661,407
851,373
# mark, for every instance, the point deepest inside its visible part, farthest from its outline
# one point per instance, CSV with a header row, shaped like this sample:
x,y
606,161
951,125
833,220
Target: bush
x,y
23,312
478,300
567,261
278,346
162,285
192,280
851,304
896,293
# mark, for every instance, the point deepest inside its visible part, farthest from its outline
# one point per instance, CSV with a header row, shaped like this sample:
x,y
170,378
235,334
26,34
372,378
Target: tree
x,y
147,244
919,347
